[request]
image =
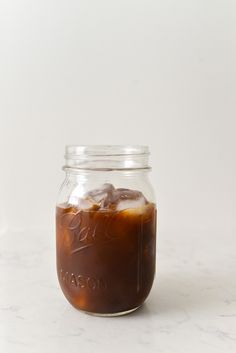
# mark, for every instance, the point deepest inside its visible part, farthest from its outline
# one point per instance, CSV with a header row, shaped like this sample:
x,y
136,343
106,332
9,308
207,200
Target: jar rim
x,y
106,157
106,150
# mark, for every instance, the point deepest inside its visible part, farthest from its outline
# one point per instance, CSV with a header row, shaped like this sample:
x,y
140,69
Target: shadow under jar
x,y
106,229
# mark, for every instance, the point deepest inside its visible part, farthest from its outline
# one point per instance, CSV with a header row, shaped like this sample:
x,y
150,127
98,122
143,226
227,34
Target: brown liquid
x,y
106,258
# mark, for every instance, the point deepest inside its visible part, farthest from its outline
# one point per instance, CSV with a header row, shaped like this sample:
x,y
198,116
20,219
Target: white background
x,y
151,72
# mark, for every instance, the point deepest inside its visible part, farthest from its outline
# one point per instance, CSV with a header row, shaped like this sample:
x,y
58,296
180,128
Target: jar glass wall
x,y
106,229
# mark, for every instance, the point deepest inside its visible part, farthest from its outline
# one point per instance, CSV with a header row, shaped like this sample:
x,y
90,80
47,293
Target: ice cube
x,y
126,198
107,197
126,204
147,212
85,204
102,196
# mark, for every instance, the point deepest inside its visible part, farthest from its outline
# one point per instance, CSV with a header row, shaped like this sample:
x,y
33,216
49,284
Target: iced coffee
x,y
106,249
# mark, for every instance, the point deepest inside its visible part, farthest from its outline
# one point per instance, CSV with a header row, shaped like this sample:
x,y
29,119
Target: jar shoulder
x,y
76,186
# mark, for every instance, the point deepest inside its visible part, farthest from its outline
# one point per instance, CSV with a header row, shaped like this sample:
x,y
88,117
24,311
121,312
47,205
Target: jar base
x,y
120,313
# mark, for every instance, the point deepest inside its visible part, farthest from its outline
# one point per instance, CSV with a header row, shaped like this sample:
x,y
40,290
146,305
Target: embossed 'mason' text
x,y
82,281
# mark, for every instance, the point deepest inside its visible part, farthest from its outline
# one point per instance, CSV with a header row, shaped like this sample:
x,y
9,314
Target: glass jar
x,y
106,229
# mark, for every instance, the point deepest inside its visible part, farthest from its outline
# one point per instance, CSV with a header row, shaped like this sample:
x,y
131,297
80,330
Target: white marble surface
x,y
192,307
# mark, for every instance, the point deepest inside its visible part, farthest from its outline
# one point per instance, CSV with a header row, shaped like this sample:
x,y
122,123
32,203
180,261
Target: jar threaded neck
x,y
106,157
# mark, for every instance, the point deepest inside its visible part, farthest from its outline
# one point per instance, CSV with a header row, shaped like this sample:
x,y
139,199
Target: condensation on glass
x,y
106,229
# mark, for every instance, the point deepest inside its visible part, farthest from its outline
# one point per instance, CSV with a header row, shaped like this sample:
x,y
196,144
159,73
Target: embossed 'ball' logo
x,y
86,229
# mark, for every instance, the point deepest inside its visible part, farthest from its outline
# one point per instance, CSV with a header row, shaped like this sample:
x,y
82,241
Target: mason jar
x,y
106,229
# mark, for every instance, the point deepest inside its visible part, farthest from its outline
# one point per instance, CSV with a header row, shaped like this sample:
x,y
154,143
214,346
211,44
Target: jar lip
x,y
106,150
84,169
